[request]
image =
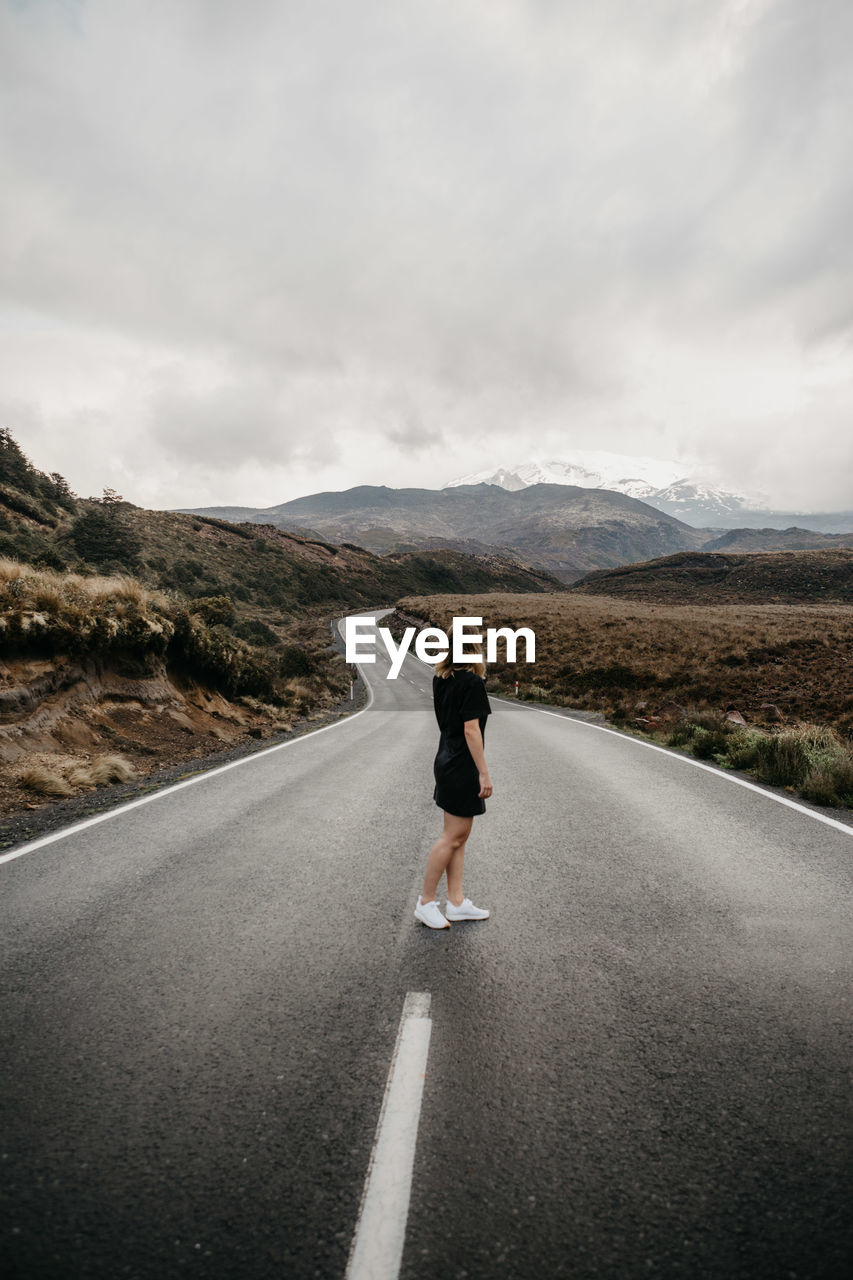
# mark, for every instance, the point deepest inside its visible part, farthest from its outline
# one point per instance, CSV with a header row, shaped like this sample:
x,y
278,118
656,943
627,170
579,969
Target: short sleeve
x,y
474,703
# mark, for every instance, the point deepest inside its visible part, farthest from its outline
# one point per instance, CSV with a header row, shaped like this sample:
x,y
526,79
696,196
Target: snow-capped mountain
x,y
689,498
591,469
661,484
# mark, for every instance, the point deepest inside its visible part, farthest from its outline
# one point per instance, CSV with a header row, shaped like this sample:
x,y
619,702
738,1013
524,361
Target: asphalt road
x,y
639,1066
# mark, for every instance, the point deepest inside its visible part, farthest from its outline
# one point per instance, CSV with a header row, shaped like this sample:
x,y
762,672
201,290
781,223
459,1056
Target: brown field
x,y
784,668
604,654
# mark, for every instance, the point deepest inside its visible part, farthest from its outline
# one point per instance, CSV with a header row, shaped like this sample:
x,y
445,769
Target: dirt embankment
x,y
60,715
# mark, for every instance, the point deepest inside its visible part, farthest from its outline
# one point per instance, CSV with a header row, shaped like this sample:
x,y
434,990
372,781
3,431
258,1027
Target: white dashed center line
x,y
380,1232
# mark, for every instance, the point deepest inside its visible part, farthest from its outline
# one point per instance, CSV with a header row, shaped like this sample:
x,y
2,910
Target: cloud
x,y
316,243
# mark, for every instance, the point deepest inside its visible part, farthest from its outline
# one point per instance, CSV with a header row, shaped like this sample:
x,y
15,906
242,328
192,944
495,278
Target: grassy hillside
x,y
264,570
769,576
709,677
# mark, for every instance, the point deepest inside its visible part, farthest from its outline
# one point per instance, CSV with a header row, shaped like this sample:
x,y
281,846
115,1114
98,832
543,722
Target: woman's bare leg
x,y
452,839
454,875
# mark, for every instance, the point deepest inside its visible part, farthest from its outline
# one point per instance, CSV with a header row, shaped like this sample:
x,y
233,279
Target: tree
x,y
102,538
61,491
15,467
18,472
111,501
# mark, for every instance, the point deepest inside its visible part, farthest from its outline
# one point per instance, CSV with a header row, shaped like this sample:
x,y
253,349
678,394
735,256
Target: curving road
x,y
640,1066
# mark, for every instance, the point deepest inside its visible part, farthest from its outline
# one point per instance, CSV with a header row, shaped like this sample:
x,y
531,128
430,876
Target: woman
x,y
462,786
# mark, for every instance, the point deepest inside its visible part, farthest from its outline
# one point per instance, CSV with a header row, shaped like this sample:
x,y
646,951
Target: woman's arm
x,y
474,739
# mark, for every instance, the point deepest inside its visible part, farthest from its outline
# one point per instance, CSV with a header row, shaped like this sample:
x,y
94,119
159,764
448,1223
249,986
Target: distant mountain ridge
x,y
661,484
566,529
793,539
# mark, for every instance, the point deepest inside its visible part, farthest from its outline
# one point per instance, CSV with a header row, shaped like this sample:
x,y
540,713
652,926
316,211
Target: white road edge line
x,y
697,764
676,755
380,1231
54,836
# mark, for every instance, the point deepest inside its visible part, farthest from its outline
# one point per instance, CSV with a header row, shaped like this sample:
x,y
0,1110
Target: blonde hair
x,y
447,667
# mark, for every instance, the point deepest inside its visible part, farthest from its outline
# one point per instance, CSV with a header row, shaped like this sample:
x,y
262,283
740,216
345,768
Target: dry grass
x,y
260,707
279,720
301,690
48,590
46,782
68,778
99,772
610,655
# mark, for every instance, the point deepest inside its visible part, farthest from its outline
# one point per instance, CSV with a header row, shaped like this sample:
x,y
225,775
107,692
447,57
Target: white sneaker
x,y
466,911
429,913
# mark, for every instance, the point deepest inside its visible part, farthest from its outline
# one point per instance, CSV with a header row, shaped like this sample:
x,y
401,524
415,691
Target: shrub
x,y
50,559
682,734
49,612
707,744
785,759
812,758
185,573
216,654
533,693
745,748
101,537
830,782
295,661
225,525
262,708
121,587
214,609
254,631
17,502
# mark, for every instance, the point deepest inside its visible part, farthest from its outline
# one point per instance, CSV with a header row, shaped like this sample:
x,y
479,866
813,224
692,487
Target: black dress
x,y
458,697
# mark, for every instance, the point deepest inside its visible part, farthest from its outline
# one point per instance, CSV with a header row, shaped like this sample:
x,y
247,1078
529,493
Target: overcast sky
x,y
257,248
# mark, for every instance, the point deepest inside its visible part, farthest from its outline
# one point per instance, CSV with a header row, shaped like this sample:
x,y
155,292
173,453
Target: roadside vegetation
x,y
813,760
46,613
764,688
